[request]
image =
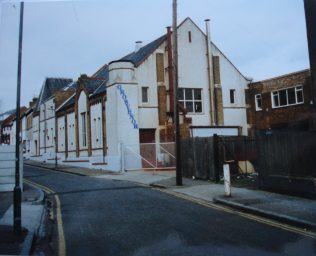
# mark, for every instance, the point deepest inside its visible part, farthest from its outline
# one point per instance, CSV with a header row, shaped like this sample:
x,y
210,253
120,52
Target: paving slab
x,y
31,213
142,177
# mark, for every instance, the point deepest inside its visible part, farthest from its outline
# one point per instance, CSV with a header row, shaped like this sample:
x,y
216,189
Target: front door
x,y
147,147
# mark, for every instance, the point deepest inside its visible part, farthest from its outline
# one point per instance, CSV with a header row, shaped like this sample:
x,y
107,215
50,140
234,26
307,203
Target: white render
x,y
119,127
96,128
35,138
71,135
47,129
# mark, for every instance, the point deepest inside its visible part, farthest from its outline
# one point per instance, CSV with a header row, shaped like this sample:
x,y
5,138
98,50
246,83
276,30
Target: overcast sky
x,y
263,38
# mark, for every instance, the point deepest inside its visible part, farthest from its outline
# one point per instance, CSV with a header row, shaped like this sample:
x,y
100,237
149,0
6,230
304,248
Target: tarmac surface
x,y
295,211
288,209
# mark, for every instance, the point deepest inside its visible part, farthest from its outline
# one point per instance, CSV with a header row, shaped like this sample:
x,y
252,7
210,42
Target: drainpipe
x,y
170,69
210,72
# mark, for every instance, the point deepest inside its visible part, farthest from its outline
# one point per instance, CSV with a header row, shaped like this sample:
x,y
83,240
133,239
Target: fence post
x,y
216,157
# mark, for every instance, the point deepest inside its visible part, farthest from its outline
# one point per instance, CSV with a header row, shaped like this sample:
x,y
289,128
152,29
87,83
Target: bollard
x,y
227,180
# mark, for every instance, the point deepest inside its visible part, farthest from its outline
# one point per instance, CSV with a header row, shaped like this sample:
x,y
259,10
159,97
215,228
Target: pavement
x,y
291,210
32,210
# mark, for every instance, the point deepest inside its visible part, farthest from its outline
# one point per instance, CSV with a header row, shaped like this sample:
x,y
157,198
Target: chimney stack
x,y
138,45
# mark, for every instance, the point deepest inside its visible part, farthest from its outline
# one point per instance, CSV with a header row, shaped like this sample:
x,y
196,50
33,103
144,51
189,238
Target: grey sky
x,y
263,38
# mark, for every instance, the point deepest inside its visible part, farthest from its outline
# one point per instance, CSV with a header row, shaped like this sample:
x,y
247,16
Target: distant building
x,y
7,132
6,114
280,103
43,116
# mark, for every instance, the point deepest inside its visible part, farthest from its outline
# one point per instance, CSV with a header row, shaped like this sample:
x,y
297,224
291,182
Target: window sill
x,y
291,105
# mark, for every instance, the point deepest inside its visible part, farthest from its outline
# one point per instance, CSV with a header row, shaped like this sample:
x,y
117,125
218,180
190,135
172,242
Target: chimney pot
x,y
138,45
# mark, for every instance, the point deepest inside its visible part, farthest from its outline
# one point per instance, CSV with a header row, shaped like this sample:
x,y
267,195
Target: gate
x,y
240,151
148,156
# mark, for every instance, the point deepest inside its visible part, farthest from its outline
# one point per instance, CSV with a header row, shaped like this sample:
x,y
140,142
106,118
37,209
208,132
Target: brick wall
x,y
282,117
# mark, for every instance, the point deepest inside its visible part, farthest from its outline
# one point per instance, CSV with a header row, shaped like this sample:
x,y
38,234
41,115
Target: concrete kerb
x,y
28,243
57,170
267,214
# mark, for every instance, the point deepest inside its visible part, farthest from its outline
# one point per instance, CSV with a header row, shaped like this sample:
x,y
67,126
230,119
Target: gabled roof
x,y
138,57
50,86
68,103
102,73
100,90
9,112
94,87
8,121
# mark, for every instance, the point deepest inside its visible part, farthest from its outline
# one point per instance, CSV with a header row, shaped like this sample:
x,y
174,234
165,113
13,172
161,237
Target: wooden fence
x,y
286,162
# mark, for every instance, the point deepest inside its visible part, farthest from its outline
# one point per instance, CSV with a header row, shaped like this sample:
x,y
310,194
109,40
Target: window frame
x,y
147,94
83,129
193,100
232,96
256,101
275,96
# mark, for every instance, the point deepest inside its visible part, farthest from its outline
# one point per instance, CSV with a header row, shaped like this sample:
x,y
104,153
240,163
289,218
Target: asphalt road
x,y
102,217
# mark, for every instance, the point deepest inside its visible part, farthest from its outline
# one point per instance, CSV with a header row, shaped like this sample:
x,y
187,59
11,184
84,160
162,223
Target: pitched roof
x,y
50,86
138,57
102,73
11,118
100,90
94,87
68,103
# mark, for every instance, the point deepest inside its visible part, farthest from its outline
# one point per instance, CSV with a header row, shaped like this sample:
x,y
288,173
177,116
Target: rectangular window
x,y
145,94
232,94
287,97
191,99
84,129
190,36
258,100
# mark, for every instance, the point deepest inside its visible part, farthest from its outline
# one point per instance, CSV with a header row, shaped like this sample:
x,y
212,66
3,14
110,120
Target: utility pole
x,y
17,193
175,94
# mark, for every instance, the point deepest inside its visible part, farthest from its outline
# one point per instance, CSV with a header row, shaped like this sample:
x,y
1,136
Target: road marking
x,y
61,236
262,220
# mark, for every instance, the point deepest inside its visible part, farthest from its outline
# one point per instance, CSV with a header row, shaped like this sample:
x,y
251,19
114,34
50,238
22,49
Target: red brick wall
x,y
270,118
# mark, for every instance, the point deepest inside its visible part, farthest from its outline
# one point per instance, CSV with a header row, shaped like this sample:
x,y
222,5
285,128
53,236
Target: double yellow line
x,y
266,221
61,236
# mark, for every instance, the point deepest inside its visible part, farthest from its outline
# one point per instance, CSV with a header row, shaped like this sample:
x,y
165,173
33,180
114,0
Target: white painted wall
x,y
193,68
82,108
146,76
234,114
119,125
35,137
47,129
96,127
71,129
61,135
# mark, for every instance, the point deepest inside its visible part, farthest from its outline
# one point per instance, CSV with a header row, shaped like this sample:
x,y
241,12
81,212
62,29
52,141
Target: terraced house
x,y
104,120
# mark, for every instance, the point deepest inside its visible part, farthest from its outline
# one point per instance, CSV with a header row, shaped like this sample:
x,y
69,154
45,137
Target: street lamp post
x,y
17,193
